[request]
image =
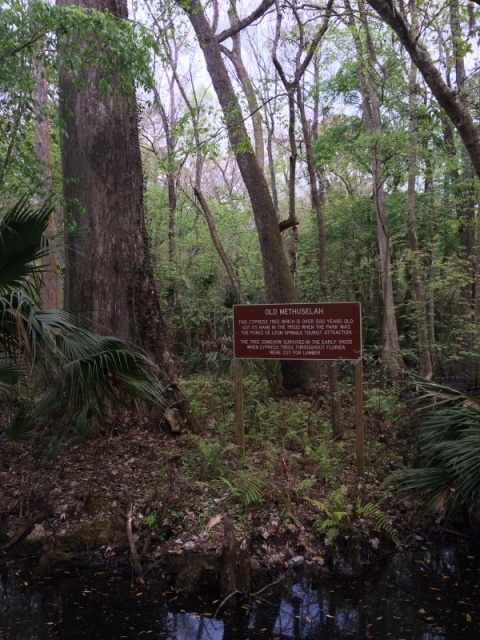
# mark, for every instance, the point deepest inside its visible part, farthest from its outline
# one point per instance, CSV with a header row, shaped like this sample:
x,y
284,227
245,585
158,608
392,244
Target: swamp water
x,y
429,594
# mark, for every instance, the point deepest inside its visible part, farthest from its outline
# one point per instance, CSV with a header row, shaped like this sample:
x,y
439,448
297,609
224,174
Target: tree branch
x,y
447,99
241,24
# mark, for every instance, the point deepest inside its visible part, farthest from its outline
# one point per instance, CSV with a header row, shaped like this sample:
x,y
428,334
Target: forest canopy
x,y
290,152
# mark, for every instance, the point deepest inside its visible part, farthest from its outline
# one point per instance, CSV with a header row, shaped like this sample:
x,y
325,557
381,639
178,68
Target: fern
x,y
211,456
335,511
248,485
380,518
305,485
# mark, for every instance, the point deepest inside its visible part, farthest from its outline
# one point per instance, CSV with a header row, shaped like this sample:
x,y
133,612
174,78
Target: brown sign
x,y
317,331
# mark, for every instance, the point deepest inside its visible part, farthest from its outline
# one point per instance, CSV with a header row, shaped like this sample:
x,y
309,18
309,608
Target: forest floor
x,y
294,497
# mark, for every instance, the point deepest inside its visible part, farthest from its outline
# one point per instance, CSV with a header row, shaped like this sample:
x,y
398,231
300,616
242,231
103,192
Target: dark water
x,y
426,595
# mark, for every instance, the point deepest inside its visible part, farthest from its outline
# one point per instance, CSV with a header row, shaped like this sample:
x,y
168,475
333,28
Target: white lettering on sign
x,y
304,331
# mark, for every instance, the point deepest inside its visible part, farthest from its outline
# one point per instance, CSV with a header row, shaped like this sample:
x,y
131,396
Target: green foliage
x,y
120,47
211,454
247,484
339,514
334,511
382,403
448,436
151,519
338,138
197,294
22,244
326,462
344,83
69,375
374,513
36,34
305,485
269,370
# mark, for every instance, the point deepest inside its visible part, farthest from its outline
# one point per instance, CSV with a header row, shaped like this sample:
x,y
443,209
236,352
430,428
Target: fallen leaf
x,y
214,521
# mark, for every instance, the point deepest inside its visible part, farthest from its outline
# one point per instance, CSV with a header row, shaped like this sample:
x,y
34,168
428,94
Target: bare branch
x,y
241,24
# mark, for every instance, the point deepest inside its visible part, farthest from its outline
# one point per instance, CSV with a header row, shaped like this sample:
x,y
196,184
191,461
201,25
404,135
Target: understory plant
x,y
338,515
448,434
52,371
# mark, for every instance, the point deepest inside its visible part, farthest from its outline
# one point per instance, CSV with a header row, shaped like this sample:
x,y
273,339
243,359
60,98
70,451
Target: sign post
x,y
359,417
303,331
239,418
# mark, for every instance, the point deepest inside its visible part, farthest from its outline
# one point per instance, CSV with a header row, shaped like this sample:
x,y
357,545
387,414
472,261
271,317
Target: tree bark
x,y
279,286
429,190
217,243
109,277
373,125
316,197
172,176
236,58
426,368
49,285
465,189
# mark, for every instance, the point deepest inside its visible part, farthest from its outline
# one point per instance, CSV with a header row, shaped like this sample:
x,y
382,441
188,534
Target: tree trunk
x,y
279,286
372,116
49,286
236,58
168,121
271,167
465,189
449,100
197,188
217,243
426,369
109,277
316,197
432,263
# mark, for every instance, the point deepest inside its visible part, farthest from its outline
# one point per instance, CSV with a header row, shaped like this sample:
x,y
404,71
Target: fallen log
x,y
27,527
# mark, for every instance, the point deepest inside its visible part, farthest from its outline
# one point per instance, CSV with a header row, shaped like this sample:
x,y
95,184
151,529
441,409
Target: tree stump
x,y
228,571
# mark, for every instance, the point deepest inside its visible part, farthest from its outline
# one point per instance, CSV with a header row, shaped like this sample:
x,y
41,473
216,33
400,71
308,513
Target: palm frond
x,y
449,446
11,374
21,244
431,396
82,371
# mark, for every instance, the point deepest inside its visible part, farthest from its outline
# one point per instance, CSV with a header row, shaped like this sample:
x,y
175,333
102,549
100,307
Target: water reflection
x,y
427,595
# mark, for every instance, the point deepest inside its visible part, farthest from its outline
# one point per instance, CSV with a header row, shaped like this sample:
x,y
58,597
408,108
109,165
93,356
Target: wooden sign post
x,y
359,417
239,418
304,331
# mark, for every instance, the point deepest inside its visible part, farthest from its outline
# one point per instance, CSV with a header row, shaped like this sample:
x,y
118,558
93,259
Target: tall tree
x,y
450,100
373,124
194,109
108,270
279,285
425,358
236,58
307,44
49,287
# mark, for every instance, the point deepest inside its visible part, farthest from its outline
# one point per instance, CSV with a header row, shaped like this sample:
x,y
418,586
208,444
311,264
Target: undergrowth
x,y
292,467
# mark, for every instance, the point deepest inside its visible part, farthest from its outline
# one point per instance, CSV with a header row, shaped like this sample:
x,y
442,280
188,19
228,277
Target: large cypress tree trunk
x,y
108,277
